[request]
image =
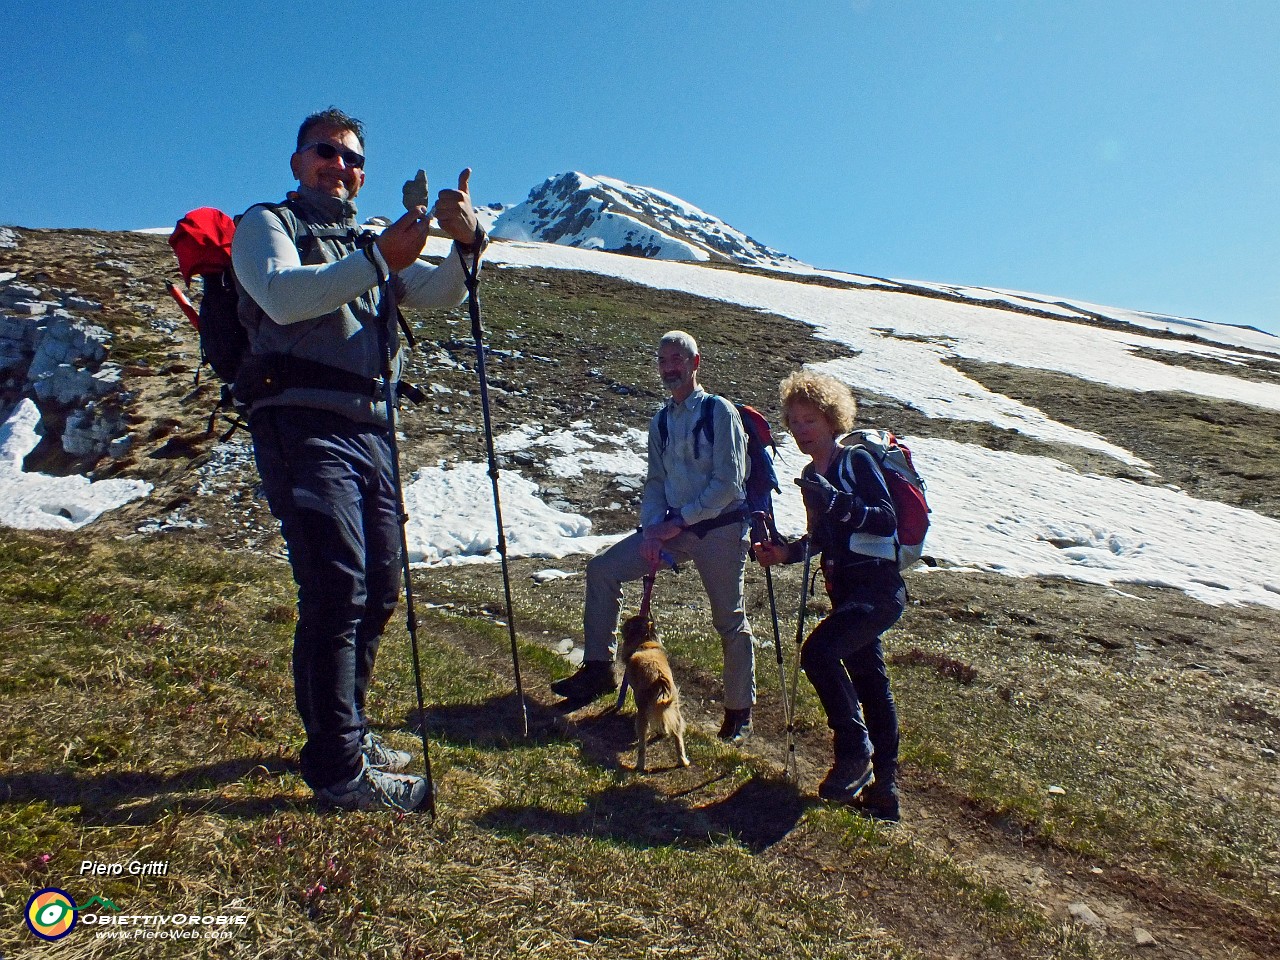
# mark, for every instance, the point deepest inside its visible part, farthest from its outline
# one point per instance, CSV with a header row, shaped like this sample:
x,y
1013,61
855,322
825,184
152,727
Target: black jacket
x,y
856,537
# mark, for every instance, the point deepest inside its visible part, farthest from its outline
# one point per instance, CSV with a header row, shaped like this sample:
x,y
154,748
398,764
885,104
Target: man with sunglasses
x,y
312,285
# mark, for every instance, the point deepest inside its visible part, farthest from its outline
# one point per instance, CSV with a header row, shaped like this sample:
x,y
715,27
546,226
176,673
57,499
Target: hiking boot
x,y
879,802
381,756
593,679
846,779
373,789
736,726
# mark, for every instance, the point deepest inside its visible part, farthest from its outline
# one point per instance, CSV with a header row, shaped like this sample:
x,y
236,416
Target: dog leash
x,y
646,601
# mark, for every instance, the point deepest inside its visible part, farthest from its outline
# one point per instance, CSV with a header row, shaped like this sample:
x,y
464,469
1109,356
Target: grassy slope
x,y
147,718
147,714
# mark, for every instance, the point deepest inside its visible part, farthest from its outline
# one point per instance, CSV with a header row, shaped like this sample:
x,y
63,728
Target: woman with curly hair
x,y
851,523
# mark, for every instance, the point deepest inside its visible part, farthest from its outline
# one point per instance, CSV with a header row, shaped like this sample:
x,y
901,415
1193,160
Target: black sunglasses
x,y
327,151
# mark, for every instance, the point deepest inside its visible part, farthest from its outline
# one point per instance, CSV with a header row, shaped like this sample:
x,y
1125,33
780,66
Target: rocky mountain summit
x,y
600,213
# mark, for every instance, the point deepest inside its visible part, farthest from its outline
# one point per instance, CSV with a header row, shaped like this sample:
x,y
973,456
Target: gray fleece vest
x,y
326,230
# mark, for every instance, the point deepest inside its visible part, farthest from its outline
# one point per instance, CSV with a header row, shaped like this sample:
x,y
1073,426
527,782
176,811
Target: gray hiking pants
x,y
721,559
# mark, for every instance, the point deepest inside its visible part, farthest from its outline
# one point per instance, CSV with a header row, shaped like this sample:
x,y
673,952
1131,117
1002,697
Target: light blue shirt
x,y
699,487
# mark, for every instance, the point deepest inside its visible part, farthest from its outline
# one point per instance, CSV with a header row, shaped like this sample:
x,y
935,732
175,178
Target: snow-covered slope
x,y
1013,513
599,213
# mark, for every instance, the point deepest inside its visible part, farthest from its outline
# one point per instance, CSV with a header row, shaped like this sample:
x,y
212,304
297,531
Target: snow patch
x,y
451,518
37,501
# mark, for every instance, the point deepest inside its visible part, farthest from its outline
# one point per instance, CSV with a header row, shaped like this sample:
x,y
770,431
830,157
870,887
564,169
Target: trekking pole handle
x,y
763,528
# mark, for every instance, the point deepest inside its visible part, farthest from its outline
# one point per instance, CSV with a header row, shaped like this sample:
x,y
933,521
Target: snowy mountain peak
x,y
600,213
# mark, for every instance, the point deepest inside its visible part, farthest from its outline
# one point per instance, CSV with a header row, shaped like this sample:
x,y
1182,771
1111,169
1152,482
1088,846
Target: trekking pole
x,y
762,525
472,276
795,667
402,515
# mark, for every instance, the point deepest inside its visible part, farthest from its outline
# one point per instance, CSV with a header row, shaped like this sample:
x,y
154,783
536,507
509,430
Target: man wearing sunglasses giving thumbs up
x,y
312,284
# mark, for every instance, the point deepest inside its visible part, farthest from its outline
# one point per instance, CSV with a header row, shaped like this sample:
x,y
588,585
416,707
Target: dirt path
x,y
1120,909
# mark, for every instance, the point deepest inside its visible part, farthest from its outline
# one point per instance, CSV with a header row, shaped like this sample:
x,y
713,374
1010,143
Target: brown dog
x,y
648,672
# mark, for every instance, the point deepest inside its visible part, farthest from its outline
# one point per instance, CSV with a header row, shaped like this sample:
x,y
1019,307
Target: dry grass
x,y
148,717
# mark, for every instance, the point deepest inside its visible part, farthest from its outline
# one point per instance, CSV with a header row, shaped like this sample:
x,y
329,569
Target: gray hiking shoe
x,y
374,789
381,756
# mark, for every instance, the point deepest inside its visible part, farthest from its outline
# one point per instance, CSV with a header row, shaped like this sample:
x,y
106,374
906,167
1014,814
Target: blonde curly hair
x,y
829,396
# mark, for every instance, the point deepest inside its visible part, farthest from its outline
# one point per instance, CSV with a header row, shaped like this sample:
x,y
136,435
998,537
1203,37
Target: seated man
x,y
693,509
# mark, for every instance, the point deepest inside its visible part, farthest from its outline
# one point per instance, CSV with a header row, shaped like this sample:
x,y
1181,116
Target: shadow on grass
x,y
603,735
494,723
110,798
758,814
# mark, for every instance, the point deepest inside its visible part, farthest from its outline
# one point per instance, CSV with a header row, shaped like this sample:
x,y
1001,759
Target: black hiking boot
x,y
593,679
879,802
850,773
736,726
845,781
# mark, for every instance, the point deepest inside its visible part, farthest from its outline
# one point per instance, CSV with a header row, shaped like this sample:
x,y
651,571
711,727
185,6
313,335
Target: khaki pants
x,y
720,558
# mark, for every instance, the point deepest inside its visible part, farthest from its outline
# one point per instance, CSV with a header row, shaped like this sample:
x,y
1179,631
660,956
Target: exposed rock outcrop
x,y
52,354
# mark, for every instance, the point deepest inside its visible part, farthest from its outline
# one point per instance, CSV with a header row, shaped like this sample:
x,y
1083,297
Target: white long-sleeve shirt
x,y
327,309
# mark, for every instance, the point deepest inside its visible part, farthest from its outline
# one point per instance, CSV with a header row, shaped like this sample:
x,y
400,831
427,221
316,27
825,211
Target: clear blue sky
x,y
1121,151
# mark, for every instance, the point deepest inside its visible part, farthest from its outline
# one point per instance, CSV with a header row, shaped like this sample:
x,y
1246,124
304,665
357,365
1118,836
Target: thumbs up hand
x,y
415,193
454,212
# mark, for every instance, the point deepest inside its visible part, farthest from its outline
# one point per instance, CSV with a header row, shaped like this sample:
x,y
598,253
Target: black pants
x,y
843,660
329,482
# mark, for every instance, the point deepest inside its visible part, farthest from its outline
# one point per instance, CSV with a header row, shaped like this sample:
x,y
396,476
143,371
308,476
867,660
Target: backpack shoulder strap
x,y
874,454
706,424
304,234
844,467
297,228
299,232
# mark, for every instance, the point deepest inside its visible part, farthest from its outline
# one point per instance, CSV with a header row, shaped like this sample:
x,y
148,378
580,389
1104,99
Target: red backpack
x,y
202,243
906,488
